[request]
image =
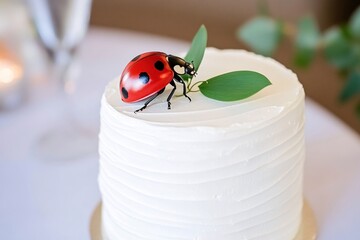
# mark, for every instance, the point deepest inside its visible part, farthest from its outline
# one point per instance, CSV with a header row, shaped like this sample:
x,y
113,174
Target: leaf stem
x,y
189,83
191,87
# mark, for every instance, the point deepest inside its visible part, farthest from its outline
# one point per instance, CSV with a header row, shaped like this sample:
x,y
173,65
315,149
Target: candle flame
x,y
9,71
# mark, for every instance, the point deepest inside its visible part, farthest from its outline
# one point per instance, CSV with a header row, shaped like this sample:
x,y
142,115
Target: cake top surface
x,y
269,103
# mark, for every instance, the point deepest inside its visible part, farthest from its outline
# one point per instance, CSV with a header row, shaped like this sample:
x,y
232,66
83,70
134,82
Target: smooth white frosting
x,y
205,170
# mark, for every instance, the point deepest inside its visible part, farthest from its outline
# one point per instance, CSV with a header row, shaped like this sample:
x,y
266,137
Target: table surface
x,y
42,199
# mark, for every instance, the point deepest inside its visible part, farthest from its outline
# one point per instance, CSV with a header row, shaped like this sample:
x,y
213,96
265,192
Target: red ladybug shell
x,y
144,76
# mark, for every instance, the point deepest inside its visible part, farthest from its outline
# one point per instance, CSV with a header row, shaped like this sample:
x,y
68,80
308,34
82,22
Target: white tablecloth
x,y
45,200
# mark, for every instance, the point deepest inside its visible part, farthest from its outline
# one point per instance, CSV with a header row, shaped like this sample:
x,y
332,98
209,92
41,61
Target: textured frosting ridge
x,y
205,170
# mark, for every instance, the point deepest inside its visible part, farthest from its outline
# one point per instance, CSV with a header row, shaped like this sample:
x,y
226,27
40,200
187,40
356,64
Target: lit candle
x,y
10,74
11,83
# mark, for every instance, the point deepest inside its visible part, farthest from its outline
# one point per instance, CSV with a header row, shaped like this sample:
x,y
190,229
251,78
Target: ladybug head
x,y
180,66
190,69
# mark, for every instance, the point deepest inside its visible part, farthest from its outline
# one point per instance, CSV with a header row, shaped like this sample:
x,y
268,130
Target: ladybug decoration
x,y
147,75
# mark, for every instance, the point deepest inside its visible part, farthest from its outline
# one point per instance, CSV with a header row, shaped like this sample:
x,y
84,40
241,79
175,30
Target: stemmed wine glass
x,y
61,25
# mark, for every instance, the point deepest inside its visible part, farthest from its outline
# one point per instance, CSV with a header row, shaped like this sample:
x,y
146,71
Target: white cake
x,y
205,170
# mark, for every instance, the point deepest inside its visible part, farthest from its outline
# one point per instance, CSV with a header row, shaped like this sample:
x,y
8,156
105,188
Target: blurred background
x,y
180,20
56,57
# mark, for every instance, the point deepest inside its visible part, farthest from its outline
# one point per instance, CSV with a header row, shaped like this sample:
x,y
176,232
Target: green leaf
x,y
197,49
354,24
339,50
352,86
262,34
234,86
306,41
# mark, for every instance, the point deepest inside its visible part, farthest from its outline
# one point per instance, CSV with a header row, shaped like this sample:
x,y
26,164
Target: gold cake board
x,y
307,230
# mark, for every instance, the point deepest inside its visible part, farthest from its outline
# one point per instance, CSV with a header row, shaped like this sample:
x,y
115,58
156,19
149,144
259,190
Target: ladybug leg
x,y
171,93
149,100
179,79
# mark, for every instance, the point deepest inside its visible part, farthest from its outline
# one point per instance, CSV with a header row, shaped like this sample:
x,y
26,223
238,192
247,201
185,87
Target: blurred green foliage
x,y
354,24
306,41
262,34
339,49
340,45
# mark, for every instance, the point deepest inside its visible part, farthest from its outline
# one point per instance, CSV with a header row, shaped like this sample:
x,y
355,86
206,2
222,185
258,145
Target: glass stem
x,y
62,62
64,82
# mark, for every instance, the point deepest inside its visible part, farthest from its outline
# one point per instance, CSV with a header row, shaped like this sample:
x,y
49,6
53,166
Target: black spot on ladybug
x,y
159,65
144,77
124,92
136,58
